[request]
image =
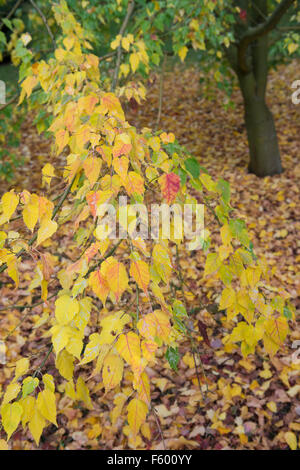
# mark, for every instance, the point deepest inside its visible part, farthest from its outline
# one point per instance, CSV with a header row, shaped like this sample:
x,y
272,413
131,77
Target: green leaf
x,y
287,313
172,356
192,167
29,384
8,24
224,189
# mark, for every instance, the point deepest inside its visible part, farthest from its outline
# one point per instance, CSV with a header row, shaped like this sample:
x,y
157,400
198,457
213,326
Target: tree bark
x,y
262,138
249,60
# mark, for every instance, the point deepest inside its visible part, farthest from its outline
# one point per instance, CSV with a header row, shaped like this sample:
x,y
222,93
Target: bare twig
x,y
161,90
35,6
119,50
158,426
12,100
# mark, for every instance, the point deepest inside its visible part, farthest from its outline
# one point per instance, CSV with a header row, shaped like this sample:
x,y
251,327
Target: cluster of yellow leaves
x,y
106,157
27,410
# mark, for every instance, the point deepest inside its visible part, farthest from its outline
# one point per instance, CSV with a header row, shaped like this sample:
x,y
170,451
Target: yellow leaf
x,y
122,145
182,53
28,84
155,324
99,285
272,406
9,202
134,61
142,385
126,43
112,325
60,337
28,404
48,173
31,212
162,262
134,183
128,346
22,367
46,230
46,404
11,392
139,270
62,139
228,298
112,372
292,47
117,279
36,425
11,416
83,394
276,330
65,364
49,382
65,309
3,445
116,42
137,412
119,401
92,167
291,440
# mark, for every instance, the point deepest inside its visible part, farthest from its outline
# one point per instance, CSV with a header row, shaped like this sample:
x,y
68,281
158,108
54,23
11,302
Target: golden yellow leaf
x,y
139,270
291,440
46,404
36,425
9,203
112,372
47,229
11,416
65,309
137,412
128,346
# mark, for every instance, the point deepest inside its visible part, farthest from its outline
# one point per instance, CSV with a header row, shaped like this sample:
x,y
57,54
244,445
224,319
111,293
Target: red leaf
x,y
169,184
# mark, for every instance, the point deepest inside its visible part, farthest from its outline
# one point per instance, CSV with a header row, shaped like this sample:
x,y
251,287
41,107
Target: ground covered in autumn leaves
x,y
243,403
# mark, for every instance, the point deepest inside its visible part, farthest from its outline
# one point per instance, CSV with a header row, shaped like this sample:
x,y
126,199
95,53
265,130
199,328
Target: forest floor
x,y
243,403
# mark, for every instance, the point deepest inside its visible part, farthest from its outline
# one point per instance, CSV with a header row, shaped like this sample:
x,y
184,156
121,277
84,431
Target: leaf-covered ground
x,y
248,403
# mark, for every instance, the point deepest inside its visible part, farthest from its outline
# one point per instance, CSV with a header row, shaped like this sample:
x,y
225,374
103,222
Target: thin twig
x,y
119,50
35,6
55,211
158,426
12,11
161,90
44,361
12,100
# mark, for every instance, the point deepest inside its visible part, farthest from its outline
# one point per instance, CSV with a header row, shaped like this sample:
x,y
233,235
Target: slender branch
x,y
24,307
161,89
12,100
12,11
35,6
262,29
158,426
110,253
55,211
44,361
107,56
130,9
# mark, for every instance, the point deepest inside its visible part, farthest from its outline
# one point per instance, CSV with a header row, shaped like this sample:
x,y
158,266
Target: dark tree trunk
x,y
262,138
249,60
